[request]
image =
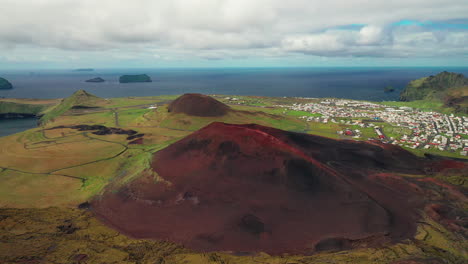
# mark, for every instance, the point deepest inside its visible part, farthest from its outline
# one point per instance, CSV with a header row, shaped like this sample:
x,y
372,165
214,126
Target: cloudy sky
x,y
232,33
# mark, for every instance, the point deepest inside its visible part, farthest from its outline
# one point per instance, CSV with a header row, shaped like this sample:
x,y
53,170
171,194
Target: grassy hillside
x,y
80,99
17,108
458,99
433,87
446,88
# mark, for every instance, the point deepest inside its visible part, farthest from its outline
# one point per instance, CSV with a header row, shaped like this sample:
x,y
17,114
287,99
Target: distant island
x,y
389,89
96,80
5,84
134,78
447,88
85,70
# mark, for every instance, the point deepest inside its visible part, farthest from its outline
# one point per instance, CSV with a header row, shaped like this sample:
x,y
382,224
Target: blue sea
x,y
353,83
12,126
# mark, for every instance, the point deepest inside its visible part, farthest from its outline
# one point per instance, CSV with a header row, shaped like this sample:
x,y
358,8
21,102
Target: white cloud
x,y
233,27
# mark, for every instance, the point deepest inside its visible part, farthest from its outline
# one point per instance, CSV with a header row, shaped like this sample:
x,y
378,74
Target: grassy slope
x,y
434,91
79,98
20,108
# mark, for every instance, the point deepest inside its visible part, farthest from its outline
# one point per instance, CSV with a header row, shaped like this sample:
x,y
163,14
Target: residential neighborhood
x,y
428,129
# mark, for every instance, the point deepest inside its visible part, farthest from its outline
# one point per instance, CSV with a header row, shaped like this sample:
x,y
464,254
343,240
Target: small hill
x,y
250,188
5,84
134,78
458,99
79,100
433,87
198,105
96,80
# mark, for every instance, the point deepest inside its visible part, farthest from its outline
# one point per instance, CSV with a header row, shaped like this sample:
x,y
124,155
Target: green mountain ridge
x,y
446,87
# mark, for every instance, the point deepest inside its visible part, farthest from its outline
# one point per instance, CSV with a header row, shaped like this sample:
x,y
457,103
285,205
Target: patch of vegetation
x,y
394,131
423,105
421,152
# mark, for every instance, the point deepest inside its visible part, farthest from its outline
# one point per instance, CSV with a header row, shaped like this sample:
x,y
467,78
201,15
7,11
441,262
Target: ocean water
x,y
12,126
354,83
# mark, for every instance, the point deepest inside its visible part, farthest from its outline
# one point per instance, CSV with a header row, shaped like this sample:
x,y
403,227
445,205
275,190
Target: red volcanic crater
x,y
198,105
254,188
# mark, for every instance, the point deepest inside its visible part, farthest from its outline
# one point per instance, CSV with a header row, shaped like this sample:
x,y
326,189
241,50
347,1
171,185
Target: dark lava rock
x,y
5,84
67,228
198,105
103,130
84,206
79,258
252,224
337,244
135,136
302,192
96,80
134,78
138,141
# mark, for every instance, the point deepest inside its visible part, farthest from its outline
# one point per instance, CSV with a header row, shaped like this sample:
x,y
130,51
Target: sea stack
x,y
198,105
5,84
138,78
96,80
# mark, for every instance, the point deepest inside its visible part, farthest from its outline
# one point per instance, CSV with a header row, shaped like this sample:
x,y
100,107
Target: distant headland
x,y
447,88
5,84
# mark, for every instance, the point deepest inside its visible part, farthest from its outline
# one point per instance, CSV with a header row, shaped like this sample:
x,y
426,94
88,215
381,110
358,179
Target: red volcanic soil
x,y
254,188
198,105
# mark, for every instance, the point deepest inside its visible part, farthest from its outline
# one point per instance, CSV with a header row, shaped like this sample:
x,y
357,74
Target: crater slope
x,y
254,188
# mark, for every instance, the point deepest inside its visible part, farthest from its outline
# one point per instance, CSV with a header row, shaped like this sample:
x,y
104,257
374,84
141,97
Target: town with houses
x,y
429,129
